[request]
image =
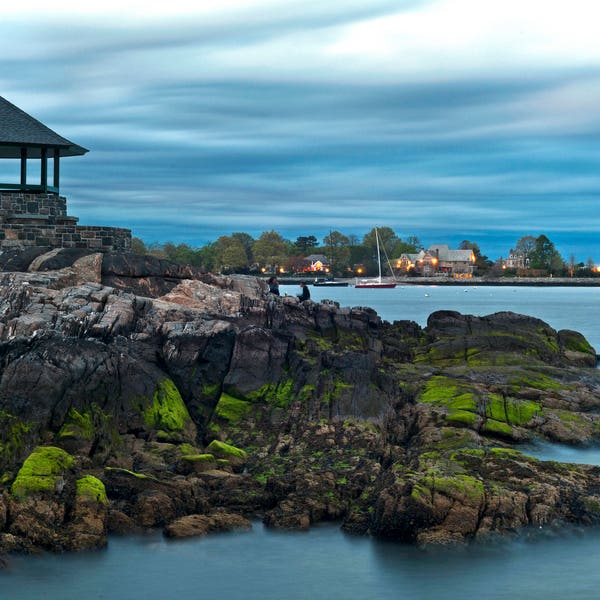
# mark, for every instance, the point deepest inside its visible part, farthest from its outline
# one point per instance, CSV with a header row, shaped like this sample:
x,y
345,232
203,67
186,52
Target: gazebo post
x,y
56,162
23,168
44,169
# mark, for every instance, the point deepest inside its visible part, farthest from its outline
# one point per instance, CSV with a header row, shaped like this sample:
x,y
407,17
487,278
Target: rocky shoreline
x,y
139,394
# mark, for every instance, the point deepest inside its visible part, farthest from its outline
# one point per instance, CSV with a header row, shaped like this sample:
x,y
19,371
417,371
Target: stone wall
x,y
28,219
23,203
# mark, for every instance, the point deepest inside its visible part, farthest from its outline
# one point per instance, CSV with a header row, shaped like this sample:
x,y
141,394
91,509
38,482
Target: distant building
x,y
516,260
315,263
422,263
438,259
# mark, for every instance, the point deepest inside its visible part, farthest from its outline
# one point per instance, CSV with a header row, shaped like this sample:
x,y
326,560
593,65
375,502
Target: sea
x,y
325,563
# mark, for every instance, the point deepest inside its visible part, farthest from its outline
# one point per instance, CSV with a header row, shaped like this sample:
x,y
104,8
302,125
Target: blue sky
x,y
448,119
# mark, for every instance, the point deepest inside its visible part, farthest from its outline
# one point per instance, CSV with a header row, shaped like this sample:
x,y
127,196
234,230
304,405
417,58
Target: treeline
x,y
271,252
539,254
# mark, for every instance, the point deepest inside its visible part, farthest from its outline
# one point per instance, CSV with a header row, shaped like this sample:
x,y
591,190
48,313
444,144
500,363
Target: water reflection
x,y
584,455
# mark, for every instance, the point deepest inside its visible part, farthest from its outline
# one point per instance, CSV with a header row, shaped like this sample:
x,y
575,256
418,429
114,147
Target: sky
x,y
444,119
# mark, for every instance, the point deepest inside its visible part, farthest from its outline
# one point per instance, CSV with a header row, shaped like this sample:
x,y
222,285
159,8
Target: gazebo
x,y
23,137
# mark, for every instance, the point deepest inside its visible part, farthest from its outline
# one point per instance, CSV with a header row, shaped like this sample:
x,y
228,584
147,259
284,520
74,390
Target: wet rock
x,y
199,525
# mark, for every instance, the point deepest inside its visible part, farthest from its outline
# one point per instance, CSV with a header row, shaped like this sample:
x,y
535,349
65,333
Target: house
x,y
422,263
455,263
316,263
438,259
516,260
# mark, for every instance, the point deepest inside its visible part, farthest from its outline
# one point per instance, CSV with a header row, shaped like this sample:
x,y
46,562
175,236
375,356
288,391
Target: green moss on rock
x,y
223,450
199,458
41,471
91,488
461,417
13,436
231,409
494,427
77,425
167,410
511,410
462,488
532,379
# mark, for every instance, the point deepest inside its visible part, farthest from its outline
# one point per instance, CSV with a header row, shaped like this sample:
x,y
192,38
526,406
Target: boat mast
x,y
378,255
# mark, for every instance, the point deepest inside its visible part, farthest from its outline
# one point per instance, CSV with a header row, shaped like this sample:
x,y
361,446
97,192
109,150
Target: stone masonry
x,y
39,219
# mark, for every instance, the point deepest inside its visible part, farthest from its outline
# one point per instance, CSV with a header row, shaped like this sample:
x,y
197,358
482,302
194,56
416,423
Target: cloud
x,y
431,117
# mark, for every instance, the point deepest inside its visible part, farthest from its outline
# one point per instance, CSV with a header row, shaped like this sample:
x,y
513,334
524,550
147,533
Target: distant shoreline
x,y
475,281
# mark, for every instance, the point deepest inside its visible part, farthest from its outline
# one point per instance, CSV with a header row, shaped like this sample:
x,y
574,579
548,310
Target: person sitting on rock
x,y
273,285
305,293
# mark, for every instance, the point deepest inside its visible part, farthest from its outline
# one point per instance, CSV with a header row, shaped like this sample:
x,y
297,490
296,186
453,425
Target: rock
x,y
191,394
199,525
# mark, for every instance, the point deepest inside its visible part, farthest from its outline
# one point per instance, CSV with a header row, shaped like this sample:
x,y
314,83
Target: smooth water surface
x,y
324,563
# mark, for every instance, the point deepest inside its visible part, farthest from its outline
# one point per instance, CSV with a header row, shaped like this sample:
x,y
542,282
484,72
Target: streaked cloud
x,y
446,119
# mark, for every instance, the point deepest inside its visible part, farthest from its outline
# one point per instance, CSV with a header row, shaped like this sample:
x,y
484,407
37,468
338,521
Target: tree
x,y
304,243
206,256
233,258
337,245
413,240
270,249
230,254
247,242
545,256
387,239
525,247
353,239
138,246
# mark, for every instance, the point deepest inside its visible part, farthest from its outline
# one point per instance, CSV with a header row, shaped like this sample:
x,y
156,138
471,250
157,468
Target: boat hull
x,y
375,285
331,284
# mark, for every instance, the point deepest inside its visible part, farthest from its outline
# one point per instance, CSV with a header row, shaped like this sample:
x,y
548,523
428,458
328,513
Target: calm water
x,y
324,563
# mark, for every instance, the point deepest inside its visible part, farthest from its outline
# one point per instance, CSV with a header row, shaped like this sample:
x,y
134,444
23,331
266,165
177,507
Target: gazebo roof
x,y
20,130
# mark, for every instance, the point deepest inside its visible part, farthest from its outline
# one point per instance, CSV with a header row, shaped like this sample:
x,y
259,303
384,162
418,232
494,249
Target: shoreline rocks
x,y
215,402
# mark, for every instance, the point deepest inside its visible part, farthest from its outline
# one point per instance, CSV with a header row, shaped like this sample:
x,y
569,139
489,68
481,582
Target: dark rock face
x,y
215,401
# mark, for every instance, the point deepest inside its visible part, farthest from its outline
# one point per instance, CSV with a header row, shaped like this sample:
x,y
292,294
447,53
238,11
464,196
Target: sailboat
x,y
377,282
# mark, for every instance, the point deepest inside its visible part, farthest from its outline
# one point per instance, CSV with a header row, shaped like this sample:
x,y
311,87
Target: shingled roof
x,y
18,130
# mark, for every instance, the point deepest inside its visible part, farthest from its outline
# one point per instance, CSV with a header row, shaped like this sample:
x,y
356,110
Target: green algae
x,y
532,379
497,428
461,417
167,411
77,425
129,473
231,409
14,432
511,410
91,488
281,394
199,458
221,449
459,487
41,472
444,391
